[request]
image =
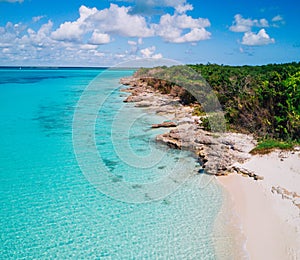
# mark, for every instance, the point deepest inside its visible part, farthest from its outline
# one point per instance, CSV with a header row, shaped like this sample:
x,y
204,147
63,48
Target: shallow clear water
x,y
48,207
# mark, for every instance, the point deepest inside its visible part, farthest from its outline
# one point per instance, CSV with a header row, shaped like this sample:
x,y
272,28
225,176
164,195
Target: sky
x,y
106,33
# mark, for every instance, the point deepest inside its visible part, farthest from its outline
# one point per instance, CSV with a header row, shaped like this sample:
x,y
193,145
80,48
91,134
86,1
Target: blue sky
x,y
105,33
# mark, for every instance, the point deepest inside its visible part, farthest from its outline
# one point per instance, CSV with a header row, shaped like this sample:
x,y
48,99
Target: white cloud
x,y
38,47
184,8
195,35
149,53
117,20
12,1
135,46
261,38
36,40
88,47
99,38
171,28
79,41
119,56
184,22
68,31
263,23
38,18
19,28
157,56
73,31
250,38
112,20
277,18
132,43
241,24
140,41
278,21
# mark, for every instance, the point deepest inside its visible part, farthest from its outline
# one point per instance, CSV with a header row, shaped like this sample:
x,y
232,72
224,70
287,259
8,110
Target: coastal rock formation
x,y
165,124
285,194
241,170
218,153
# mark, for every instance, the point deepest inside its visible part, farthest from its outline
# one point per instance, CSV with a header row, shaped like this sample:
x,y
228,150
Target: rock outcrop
x,y
285,194
218,153
165,124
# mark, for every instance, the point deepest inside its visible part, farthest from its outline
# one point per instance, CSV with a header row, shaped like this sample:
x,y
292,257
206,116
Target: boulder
x,y
165,124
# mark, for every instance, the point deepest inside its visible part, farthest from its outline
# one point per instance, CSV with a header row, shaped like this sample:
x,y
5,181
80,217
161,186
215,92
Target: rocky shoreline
x,y
269,207
218,153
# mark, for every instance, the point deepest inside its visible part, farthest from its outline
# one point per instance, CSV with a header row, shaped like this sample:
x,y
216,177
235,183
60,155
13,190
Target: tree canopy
x,y
264,100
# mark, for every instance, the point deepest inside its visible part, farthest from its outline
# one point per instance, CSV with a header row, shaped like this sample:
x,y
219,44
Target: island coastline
x,y
256,200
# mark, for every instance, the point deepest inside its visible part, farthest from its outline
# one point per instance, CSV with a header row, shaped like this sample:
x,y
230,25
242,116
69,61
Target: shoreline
x,y
267,207
269,220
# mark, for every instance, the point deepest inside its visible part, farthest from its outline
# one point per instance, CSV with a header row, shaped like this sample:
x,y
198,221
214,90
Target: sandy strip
x,y
270,223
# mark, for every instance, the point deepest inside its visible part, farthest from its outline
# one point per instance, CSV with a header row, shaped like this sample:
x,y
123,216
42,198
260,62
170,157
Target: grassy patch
x,y
198,111
268,145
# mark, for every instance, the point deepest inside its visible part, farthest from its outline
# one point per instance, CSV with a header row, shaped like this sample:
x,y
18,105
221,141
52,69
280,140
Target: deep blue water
x,y
49,209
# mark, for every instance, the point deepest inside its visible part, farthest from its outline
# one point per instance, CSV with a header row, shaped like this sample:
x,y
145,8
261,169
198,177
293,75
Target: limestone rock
x,y
165,124
216,152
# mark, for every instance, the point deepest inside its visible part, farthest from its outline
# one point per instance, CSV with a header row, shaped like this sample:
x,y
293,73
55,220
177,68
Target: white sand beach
x,y
270,217
265,212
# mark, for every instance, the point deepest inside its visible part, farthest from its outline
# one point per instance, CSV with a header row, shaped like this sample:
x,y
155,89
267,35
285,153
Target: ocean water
x,y
51,208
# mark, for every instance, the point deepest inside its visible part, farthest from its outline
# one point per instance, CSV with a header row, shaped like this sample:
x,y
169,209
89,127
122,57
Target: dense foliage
x,y
260,99
264,100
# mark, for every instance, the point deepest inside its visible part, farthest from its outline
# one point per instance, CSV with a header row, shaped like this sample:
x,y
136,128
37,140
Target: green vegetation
x,y
267,145
198,111
263,100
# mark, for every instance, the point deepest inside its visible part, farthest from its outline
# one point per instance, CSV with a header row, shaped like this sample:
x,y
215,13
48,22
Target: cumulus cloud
x,y
184,8
68,32
250,38
80,40
171,28
37,47
195,35
117,20
112,20
73,31
149,53
261,38
26,44
241,24
99,38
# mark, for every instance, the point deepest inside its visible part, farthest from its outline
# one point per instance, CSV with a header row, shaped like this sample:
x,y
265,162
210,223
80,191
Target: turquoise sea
x,y
50,210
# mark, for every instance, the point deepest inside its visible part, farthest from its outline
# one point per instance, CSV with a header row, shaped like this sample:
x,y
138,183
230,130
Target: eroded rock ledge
x,y
293,196
219,153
